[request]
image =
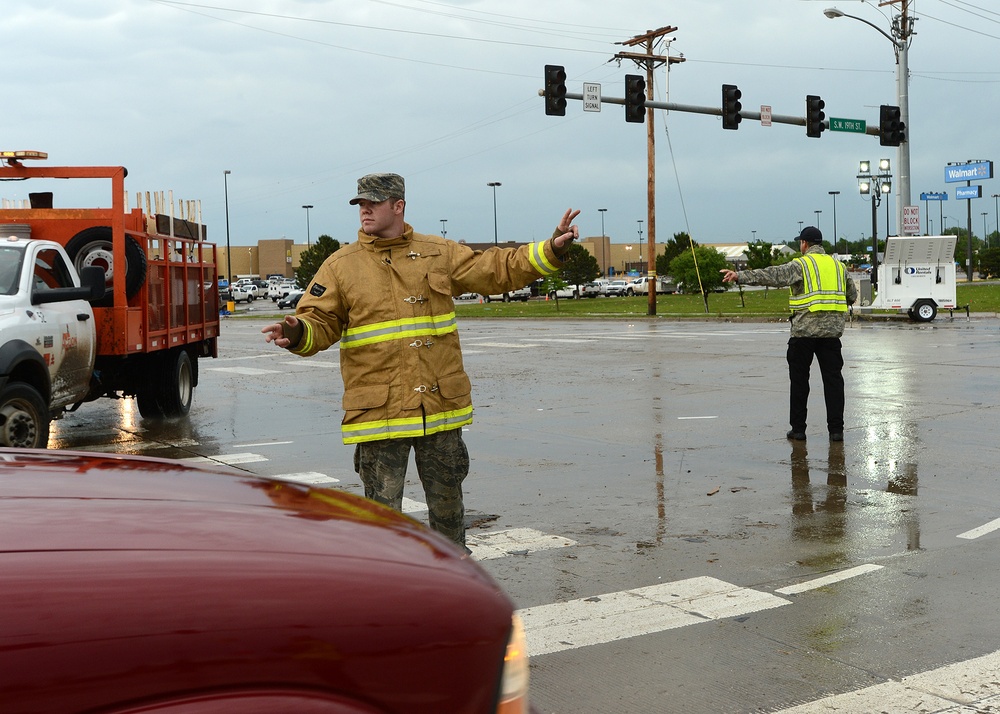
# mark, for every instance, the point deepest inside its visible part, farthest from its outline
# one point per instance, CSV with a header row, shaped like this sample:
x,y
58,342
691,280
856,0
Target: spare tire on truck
x,y
94,246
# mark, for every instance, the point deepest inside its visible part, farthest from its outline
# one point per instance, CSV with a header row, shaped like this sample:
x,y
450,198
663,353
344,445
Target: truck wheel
x,y
171,395
94,246
178,383
923,311
24,417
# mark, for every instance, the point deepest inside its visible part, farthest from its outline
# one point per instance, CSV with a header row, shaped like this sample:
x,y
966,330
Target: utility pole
x,y
649,61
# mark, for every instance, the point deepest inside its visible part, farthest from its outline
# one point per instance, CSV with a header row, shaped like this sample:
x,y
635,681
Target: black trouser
x,y
831,364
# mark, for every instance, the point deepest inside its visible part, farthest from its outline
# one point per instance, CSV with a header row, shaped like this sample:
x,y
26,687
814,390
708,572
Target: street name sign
x,y
855,126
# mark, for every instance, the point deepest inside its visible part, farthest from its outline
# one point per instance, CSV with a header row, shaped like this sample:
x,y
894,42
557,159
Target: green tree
x,y
312,258
709,266
680,243
760,254
580,266
989,263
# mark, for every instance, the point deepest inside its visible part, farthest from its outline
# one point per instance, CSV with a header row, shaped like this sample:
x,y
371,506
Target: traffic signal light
x,y
555,90
814,116
635,98
731,106
891,131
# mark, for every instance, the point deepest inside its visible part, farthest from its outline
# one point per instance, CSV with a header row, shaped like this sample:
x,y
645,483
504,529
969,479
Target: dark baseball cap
x,y
379,187
811,234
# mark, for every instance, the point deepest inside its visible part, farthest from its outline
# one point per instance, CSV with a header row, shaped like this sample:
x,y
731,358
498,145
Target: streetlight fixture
x,y
602,211
444,233
308,239
229,270
817,217
835,194
493,185
986,239
875,185
754,236
800,226
640,241
902,32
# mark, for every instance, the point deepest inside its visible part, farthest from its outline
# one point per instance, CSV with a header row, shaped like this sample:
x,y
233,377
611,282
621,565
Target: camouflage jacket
x,y
789,275
388,302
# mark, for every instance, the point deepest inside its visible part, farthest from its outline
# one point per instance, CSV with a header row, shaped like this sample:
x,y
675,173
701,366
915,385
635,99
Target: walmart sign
x,y
975,171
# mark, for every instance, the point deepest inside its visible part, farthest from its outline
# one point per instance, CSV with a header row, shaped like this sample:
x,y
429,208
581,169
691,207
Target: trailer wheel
x,y
923,311
24,417
94,246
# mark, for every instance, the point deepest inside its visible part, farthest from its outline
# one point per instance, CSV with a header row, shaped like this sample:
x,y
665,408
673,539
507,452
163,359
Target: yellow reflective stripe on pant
x,y
406,427
398,329
824,284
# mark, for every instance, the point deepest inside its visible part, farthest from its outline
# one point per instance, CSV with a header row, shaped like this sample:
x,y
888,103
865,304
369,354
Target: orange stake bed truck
x,y
135,325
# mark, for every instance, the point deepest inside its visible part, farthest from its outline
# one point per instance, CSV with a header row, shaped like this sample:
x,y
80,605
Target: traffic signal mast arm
x,y
870,127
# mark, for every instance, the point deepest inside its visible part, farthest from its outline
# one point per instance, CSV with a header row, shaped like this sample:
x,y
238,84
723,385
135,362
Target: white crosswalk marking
x,y
247,371
515,541
964,687
828,579
631,613
229,459
309,478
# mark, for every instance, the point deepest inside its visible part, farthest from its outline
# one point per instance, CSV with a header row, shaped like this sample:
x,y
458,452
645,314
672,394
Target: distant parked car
x,y
590,290
136,584
568,291
616,288
291,300
521,294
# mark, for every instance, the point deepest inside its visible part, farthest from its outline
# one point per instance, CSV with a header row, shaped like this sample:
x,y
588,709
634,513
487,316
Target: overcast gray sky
x,y
300,98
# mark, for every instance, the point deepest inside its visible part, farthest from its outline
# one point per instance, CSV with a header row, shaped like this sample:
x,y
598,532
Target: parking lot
x,y
632,489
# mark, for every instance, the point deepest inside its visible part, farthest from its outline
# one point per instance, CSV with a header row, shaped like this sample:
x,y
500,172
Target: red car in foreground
x,y
145,585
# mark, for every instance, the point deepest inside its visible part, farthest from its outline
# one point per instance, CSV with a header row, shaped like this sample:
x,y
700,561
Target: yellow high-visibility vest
x,y
824,280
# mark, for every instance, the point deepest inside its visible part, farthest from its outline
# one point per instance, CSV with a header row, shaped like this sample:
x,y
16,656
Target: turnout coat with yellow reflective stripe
x,y
389,304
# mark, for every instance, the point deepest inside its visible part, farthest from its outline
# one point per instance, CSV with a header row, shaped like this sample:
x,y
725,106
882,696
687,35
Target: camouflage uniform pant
x,y
442,463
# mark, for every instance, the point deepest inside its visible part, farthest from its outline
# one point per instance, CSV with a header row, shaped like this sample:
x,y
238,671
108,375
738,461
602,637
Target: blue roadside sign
x,y
968,192
972,171
934,197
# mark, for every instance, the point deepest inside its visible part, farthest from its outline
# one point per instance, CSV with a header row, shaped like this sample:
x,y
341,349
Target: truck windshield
x,y
10,268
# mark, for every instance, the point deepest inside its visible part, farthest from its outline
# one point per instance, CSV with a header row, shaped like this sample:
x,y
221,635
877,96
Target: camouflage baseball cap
x,y
379,187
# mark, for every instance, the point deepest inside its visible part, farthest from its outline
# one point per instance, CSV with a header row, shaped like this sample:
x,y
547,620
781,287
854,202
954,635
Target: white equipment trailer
x,y
917,275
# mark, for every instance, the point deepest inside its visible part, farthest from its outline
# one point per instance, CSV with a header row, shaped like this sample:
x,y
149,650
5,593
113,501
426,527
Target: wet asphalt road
x,y
657,449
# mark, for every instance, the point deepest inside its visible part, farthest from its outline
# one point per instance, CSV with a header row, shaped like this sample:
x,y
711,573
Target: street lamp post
x,y
229,270
602,211
902,31
817,217
800,226
754,233
986,240
493,185
996,210
835,194
308,239
444,233
875,185
640,241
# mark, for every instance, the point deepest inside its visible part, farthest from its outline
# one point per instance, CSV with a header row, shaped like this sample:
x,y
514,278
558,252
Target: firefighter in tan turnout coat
x,y
387,299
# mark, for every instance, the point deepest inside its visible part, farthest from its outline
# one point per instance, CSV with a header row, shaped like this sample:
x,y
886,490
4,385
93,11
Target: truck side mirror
x,y
92,277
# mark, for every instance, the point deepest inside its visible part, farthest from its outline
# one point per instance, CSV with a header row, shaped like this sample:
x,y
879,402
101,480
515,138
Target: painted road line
x,y
311,363
828,579
136,446
969,686
697,417
981,531
632,613
411,506
229,459
515,541
505,345
245,371
262,443
309,478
